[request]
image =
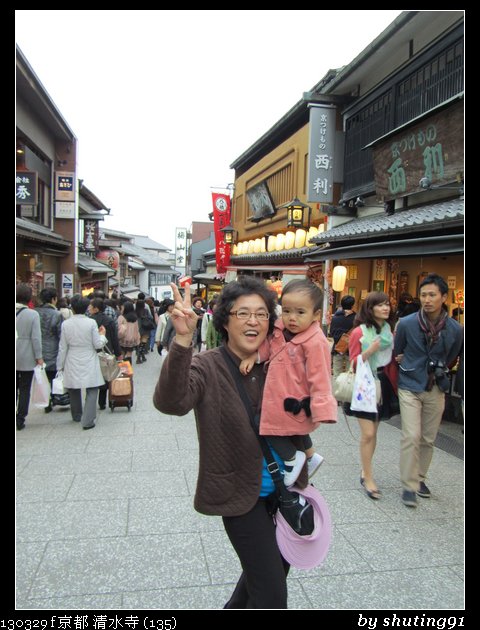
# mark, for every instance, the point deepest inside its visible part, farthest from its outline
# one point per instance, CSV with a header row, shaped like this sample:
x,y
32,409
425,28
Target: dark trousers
x,y
263,583
102,395
285,447
23,384
50,375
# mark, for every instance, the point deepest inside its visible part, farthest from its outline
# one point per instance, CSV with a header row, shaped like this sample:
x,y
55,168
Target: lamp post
x,y
298,213
229,234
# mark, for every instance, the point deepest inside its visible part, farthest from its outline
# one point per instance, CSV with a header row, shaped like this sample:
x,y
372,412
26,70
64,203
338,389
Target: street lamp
x,y
298,213
229,234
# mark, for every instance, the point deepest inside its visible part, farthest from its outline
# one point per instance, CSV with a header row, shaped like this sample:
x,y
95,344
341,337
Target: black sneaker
x,y
423,491
409,498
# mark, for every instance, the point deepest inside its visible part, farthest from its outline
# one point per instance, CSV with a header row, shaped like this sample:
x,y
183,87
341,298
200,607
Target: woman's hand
x,y
183,317
374,346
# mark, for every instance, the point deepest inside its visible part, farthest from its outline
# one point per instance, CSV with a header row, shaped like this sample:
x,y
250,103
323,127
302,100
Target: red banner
x,y
221,219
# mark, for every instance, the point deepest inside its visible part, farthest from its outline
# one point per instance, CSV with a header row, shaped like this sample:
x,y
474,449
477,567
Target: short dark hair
x,y
79,304
97,302
434,278
245,285
347,302
23,293
48,294
197,298
305,286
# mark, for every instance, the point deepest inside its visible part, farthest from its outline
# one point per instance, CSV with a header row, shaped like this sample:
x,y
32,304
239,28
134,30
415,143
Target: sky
x,y
163,101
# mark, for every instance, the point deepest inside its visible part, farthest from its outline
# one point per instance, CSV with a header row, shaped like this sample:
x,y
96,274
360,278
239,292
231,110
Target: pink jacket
x,y
297,369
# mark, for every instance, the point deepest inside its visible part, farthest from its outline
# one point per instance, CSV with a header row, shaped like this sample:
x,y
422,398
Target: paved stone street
x,y
105,519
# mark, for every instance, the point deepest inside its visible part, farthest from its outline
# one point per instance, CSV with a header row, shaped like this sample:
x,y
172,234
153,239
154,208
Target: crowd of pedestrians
x,y
287,369
64,336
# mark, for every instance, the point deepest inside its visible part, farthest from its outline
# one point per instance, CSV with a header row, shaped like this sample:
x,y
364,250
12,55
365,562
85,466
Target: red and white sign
x,y
183,280
109,257
221,218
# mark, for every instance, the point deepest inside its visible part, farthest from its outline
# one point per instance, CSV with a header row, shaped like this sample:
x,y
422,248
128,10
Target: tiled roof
x,y
404,221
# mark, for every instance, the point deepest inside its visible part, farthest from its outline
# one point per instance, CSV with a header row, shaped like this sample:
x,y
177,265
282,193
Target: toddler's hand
x,y
245,366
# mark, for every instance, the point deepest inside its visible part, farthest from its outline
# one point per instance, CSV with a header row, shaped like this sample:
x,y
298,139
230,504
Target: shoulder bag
x,y
343,386
342,344
295,509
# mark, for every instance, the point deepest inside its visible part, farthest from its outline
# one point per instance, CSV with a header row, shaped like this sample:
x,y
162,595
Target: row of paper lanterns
x,y
278,242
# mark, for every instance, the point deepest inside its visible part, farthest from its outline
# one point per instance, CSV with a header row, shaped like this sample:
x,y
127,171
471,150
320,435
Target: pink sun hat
x,y
306,552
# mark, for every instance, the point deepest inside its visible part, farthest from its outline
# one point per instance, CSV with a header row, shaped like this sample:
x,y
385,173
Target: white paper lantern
x,y
339,277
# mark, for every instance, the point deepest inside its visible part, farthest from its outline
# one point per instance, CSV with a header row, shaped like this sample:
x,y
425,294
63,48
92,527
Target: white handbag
x,y
343,386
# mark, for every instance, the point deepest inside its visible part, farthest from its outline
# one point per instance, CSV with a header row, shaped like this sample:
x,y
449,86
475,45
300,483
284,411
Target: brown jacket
x,y
229,476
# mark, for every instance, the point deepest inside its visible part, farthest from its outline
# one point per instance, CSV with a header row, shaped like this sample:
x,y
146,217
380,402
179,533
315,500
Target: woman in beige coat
x,y
78,359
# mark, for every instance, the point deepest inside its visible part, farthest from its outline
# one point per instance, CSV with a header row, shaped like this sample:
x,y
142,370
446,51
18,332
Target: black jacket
x,y
340,324
111,332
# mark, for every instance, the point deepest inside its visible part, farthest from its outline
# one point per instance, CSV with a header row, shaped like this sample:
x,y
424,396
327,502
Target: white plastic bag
x,y
57,384
40,392
364,397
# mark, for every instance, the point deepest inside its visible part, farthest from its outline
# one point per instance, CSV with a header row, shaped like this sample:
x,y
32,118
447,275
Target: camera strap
x,y
272,465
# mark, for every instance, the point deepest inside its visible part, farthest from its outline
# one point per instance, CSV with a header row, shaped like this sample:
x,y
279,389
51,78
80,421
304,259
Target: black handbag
x,y
294,508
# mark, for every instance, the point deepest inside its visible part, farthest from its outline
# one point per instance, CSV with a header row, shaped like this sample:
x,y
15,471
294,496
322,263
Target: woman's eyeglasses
x,y
261,316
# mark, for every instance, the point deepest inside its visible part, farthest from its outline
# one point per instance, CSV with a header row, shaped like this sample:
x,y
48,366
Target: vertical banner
x,y
181,249
321,149
221,218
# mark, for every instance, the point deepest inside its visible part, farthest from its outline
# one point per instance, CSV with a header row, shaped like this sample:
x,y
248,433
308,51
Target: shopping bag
x,y
365,397
108,365
57,384
40,392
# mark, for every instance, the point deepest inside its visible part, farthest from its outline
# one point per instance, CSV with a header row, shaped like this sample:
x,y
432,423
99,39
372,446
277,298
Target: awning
x,y
135,265
94,266
209,278
37,232
425,246
130,291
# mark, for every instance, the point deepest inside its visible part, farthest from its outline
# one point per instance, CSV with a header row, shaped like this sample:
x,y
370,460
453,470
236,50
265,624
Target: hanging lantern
x,y
339,278
272,243
300,236
229,234
280,242
313,231
298,213
289,240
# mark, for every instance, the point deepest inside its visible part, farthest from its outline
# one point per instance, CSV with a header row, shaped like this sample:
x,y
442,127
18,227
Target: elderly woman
x,y
77,357
233,480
